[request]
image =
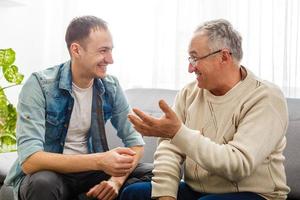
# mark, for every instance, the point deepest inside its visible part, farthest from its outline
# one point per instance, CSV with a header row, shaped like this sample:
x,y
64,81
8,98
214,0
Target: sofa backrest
x,y
292,151
147,101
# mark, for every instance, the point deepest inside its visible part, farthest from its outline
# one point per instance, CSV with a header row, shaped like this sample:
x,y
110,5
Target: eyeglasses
x,y
193,60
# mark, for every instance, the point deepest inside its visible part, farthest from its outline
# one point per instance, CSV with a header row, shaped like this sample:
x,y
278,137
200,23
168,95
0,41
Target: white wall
x,y
151,36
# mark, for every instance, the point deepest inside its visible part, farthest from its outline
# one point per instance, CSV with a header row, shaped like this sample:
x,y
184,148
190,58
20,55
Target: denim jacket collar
x,y
65,81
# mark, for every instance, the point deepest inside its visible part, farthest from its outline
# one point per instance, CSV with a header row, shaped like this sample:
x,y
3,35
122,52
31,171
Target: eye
x,y
105,50
192,58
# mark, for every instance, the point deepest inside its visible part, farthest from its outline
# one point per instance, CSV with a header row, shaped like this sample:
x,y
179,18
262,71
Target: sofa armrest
x,y
6,161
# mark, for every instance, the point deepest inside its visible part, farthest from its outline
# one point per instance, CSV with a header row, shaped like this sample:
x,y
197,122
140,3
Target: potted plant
x,y
8,114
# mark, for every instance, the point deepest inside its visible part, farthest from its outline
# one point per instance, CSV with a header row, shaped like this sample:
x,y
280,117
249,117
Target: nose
x,y
191,68
108,58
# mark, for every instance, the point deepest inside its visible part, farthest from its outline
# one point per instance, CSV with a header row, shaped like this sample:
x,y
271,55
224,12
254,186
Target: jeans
x,y
49,185
142,191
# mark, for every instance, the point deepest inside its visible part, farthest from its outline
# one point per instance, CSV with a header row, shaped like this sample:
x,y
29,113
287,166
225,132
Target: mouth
x,y
102,66
198,74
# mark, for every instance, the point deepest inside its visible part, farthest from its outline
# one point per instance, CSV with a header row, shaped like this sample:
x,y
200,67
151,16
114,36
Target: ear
x,y
75,49
226,56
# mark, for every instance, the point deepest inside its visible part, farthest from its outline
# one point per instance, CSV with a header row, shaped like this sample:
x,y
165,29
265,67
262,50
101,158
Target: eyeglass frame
x,y
193,60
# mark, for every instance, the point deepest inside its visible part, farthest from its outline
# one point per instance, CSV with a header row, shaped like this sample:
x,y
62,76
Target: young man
x,y
62,110
228,127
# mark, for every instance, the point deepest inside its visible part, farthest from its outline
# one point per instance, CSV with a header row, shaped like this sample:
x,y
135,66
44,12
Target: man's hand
x,y
167,126
116,162
106,190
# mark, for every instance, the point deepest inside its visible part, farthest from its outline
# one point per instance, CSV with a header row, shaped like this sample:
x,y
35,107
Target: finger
x,y
90,192
94,191
145,131
106,188
144,117
124,166
126,151
135,120
109,194
123,161
139,126
166,108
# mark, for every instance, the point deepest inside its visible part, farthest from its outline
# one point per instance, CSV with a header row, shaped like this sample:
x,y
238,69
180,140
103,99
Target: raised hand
x,y
166,126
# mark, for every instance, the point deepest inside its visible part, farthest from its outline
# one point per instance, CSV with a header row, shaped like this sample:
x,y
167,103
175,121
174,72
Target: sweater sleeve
x,y
262,126
167,161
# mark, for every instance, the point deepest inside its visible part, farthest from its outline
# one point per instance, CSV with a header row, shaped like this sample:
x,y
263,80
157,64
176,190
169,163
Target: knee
x,y
135,191
44,180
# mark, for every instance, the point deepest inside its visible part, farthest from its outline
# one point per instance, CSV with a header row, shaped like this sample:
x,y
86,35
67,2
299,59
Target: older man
x,y
228,128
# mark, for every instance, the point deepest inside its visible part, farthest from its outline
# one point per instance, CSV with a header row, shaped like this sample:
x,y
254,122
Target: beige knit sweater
x,y
229,143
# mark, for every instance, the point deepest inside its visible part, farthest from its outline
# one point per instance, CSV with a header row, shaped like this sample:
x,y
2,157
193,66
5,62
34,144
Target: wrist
x,y
95,161
117,181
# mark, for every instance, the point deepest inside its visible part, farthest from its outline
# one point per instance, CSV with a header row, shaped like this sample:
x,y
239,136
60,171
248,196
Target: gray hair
x,y
220,35
80,27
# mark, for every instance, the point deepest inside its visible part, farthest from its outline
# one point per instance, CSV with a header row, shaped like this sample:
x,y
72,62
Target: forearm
x,y
139,154
59,162
167,162
234,160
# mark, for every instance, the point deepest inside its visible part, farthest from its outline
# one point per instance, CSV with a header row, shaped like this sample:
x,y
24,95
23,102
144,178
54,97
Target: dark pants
x,y
143,191
48,185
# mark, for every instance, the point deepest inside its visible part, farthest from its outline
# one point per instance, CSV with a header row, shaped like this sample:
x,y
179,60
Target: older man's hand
x,y
166,126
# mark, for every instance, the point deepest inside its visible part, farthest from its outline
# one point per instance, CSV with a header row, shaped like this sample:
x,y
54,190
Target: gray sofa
x,y
147,99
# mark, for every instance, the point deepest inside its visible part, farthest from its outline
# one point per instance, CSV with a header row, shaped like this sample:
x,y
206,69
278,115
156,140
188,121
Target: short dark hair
x,y
80,28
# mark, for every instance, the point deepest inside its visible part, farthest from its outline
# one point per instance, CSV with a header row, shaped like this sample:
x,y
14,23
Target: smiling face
x,y
92,55
206,69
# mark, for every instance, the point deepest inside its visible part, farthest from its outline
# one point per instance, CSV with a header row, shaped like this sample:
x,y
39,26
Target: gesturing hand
x,y
116,162
167,126
106,190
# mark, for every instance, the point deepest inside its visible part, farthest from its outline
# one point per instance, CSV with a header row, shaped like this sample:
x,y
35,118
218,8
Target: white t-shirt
x,y
80,121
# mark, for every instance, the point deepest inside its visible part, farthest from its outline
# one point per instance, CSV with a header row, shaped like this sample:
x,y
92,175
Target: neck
x,y
229,81
79,78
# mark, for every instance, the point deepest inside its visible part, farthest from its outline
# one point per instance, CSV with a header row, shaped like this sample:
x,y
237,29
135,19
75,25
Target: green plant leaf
x,y
7,57
7,143
8,113
12,75
3,107
11,119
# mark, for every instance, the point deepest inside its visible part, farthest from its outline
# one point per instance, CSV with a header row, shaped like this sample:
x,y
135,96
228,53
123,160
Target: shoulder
x,y
111,84
264,94
110,80
48,75
273,94
265,90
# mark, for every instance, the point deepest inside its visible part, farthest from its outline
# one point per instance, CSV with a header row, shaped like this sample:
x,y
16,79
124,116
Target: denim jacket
x,y
44,110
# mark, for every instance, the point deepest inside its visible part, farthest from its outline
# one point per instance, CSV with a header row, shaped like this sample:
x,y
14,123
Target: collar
x,y
65,81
